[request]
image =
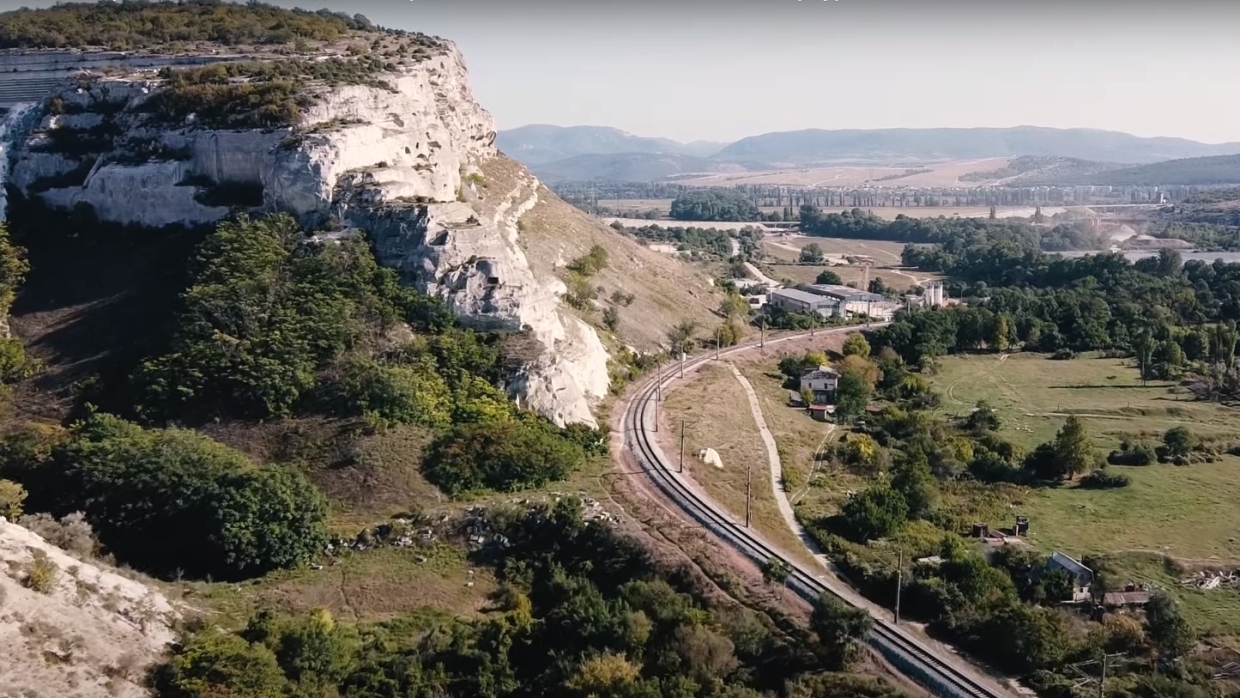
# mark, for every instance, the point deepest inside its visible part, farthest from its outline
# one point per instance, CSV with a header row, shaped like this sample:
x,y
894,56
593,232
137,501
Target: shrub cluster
x,y
145,24
174,500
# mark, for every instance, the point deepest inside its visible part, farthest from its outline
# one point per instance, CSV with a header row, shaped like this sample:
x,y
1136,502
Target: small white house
x,y
822,382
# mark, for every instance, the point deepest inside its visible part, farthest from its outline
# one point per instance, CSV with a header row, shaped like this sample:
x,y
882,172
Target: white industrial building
x,y
851,300
796,301
932,294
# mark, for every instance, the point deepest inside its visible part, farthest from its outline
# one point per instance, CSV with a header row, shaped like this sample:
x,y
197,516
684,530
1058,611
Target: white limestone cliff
x,y
395,163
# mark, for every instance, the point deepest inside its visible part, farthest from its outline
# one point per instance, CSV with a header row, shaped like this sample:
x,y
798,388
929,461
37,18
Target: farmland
x,y
783,250
1170,521
940,174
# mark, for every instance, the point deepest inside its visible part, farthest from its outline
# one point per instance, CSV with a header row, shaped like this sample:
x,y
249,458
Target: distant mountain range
x,y
1219,169
539,144
575,153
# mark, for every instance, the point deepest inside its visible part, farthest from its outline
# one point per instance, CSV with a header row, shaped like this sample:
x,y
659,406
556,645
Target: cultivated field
x,y
636,205
1184,514
782,252
941,174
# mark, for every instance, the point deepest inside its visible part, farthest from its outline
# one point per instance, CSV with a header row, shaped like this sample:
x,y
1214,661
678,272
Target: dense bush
x,y
506,456
168,500
255,94
141,24
1102,480
409,393
267,310
581,612
714,205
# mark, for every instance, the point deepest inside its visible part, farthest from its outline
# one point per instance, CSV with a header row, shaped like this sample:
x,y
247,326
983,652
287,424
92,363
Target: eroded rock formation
x,y
401,162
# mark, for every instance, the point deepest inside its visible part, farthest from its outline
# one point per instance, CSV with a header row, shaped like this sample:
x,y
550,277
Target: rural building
x,y
822,382
794,301
1125,599
850,300
821,412
1082,576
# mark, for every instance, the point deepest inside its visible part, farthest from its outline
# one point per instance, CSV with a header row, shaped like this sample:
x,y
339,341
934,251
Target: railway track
x,y
913,658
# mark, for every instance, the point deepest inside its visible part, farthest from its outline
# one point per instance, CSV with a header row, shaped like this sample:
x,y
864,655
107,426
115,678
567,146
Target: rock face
x,y
402,164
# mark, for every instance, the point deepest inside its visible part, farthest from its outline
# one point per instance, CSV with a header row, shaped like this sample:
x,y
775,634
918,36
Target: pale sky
x,y
700,70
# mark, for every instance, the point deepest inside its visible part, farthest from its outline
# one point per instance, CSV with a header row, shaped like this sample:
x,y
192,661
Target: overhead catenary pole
x,y
748,490
681,468
899,582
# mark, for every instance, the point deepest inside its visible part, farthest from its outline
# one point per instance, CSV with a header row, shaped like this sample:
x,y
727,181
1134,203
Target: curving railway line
x,y
913,658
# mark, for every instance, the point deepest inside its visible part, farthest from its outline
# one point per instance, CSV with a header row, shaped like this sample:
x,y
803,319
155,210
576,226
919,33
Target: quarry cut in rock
x,y
401,162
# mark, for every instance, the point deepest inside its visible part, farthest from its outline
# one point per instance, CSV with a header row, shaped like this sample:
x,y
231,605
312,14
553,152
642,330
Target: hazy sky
x,y
701,70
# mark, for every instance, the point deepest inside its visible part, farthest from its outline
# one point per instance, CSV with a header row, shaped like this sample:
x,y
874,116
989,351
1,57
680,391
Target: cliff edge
x,y
399,150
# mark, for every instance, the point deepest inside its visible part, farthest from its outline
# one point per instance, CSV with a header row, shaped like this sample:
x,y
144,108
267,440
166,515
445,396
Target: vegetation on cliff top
x,y
143,25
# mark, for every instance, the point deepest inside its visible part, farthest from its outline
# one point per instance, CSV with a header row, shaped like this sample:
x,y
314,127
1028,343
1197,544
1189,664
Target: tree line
x,y
582,612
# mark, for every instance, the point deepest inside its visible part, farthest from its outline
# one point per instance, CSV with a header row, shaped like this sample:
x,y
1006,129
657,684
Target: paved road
x,y
940,671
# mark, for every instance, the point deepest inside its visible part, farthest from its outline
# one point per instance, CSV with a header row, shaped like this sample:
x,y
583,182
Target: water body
x,y
12,126
1186,255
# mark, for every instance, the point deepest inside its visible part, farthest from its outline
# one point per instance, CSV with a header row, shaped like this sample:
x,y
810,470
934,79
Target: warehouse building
x,y
794,301
851,300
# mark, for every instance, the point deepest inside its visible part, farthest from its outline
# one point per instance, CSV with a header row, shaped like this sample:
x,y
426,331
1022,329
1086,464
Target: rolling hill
x,y
1220,169
1043,154
878,145
540,143
626,167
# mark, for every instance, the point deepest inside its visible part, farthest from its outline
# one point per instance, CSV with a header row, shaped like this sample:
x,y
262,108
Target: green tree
x,y
876,512
828,277
811,254
852,394
839,629
168,499
915,482
1170,632
1073,449
504,456
734,305
12,496
776,571
1178,442
214,663
856,345
315,650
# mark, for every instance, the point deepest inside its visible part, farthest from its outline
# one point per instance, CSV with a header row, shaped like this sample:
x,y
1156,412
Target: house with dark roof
x,y
1082,577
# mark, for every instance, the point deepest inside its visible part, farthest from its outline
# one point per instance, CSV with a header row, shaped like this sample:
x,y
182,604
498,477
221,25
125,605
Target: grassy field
x,y
1183,513
717,415
782,252
1033,394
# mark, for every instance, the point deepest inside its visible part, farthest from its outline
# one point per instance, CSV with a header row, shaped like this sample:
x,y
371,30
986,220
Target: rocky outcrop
x,y
400,162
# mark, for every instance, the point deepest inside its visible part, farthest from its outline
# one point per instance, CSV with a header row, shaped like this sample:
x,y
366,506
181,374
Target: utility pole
x,y
717,341
748,491
762,332
681,468
658,386
899,582
682,362
1101,680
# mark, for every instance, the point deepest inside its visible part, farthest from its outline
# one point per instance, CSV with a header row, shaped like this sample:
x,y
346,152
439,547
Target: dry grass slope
x,y
84,631
666,291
